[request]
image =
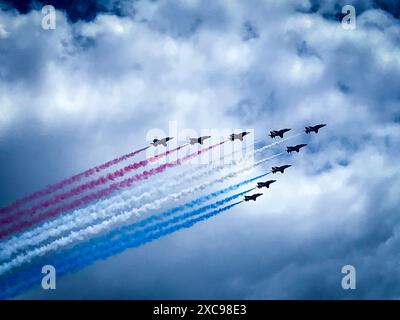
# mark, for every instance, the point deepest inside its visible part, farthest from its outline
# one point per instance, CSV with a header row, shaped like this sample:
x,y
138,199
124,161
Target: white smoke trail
x,y
108,207
117,219
89,214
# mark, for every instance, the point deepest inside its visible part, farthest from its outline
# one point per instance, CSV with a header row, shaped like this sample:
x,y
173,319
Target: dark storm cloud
x,y
333,9
75,9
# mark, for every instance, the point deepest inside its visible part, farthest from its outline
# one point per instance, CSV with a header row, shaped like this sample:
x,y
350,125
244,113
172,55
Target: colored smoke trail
x,y
124,201
119,212
28,213
101,193
76,178
74,260
92,230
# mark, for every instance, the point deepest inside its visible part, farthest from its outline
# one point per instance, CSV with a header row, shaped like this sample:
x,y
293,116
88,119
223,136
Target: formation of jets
x,y
266,184
234,136
280,133
239,136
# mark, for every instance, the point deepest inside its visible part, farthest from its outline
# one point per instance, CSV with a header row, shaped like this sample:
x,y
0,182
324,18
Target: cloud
x,y
92,89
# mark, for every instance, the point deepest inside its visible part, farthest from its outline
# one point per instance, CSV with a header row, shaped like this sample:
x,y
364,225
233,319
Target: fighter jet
x,y
252,197
280,133
265,184
314,128
157,142
199,139
295,148
238,136
280,169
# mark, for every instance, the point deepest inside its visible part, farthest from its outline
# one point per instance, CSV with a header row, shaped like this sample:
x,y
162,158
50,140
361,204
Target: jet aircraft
x,y
199,140
278,133
157,142
314,128
238,136
265,184
252,197
295,148
280,169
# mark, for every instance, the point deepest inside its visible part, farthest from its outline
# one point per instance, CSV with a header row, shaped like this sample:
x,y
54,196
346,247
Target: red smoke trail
x,y
101,193
19,215
59,185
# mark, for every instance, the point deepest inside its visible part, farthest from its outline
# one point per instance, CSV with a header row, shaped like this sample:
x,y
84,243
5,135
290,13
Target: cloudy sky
x,y
112,71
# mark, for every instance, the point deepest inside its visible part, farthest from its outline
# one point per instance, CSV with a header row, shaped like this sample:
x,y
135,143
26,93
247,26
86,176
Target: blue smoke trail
x,y
104,247
188,205
144,222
